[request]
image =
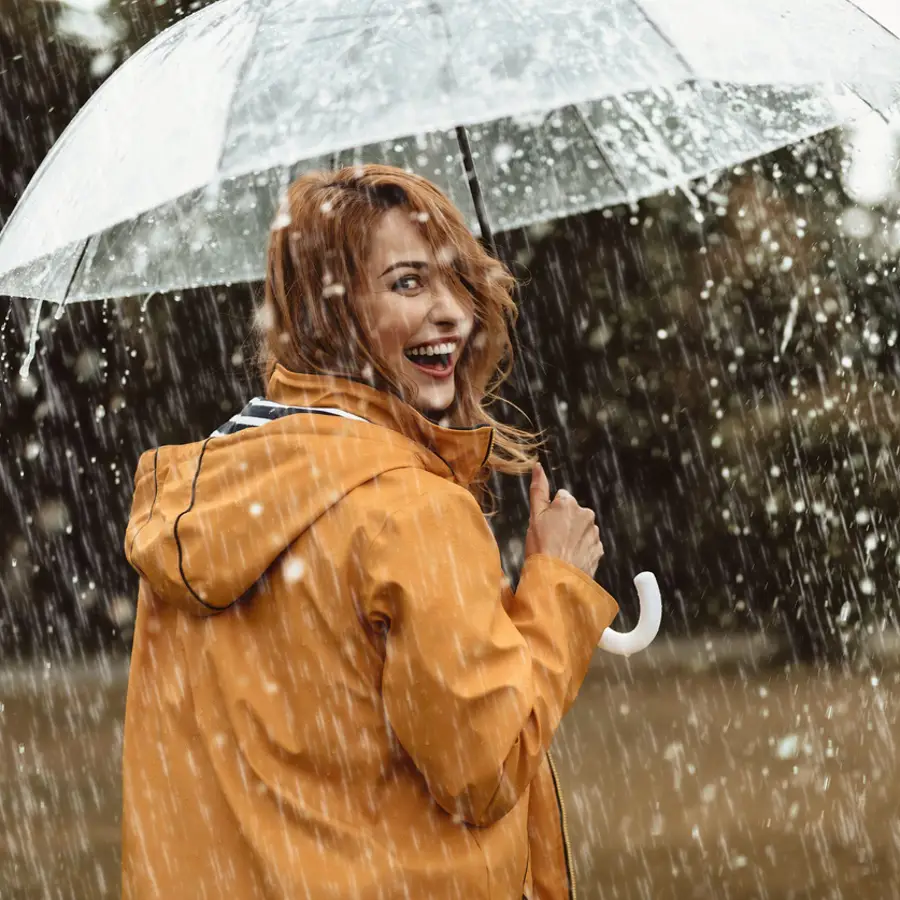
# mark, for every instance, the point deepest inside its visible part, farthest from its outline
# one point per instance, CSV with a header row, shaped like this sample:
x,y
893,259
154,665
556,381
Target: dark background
x,y
759,484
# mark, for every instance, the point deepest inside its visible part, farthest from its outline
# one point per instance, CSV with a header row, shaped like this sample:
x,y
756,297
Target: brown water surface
x,y
679,784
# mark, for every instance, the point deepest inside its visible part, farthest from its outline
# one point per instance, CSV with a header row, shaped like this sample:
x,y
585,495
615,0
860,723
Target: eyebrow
x,y
405,264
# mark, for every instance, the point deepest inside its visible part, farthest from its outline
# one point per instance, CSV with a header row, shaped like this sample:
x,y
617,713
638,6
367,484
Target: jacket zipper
x,y
567,847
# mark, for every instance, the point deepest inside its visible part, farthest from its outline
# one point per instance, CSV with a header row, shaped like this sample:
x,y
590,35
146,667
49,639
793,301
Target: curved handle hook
x,y
624,644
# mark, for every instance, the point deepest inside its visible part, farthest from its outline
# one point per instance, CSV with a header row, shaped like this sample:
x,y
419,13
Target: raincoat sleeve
x,y
475,681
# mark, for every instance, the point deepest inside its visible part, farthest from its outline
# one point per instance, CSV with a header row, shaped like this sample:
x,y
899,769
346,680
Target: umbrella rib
x,y
678,54
74,275
600,149
868,15
377,35
328,37
875,109
368,15
245,63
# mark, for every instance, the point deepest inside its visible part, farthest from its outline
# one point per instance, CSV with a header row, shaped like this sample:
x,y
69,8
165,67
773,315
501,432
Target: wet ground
x,y
680,784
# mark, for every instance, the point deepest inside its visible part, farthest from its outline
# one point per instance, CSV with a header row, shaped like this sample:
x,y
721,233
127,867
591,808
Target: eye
x,y
407,283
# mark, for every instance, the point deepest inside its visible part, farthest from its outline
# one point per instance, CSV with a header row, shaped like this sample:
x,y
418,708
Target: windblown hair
x,y
316,263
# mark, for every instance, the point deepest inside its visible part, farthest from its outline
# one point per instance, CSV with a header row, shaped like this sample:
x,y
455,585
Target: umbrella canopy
x,y
170,176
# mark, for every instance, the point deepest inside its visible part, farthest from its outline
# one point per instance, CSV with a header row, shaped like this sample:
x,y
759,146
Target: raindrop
x,y
121,611
502,153
282,220
857,222
294,569
788,747
53,516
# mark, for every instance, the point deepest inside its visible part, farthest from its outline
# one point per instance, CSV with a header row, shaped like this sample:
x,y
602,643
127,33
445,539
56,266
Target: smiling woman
x,y
332,681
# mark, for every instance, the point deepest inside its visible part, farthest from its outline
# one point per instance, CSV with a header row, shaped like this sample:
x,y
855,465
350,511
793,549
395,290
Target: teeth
x,y
435,349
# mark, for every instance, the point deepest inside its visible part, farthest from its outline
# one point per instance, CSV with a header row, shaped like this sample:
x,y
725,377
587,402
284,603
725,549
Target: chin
x,y
431,402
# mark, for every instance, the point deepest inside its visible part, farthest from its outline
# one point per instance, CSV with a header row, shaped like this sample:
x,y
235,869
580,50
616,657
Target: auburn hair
x,y
316,259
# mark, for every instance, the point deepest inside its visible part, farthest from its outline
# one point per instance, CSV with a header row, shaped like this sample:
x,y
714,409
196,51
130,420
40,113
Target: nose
x,y
448,308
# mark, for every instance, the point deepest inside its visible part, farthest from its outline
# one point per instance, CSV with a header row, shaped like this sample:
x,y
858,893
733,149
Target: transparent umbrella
x,y
170,176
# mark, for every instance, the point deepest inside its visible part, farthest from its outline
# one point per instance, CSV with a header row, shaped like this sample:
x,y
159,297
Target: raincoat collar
x,y
464,451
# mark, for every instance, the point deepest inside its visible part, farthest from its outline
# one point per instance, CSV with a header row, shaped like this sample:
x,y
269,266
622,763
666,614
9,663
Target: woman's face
x,y
412,316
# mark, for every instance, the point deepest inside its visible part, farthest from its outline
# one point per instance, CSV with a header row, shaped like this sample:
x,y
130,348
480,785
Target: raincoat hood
x,y
209,518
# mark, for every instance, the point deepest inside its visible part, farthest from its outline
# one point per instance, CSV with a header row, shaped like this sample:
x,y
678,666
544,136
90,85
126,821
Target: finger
x,y
591,543
539,492
587,544
585,521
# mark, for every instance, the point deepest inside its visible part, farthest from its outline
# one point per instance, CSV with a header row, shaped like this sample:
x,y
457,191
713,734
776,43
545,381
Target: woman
x,y
334,693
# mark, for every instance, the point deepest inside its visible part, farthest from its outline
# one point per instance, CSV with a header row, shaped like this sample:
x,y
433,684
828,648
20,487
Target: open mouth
x,y
436,360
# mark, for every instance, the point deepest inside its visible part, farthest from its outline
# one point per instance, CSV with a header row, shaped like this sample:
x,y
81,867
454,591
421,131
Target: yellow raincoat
x,y
334,693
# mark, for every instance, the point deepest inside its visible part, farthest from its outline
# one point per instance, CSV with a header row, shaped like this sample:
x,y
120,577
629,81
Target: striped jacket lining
x,y
260,411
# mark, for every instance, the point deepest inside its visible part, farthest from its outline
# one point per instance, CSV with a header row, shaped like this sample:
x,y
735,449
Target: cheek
x,y
399,323
381,320
391,321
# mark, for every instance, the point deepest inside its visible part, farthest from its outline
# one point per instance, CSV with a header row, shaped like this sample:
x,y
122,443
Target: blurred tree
x,y
724,382
65,472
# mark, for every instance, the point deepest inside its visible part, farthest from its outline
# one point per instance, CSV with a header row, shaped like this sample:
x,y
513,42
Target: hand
x,y
561,527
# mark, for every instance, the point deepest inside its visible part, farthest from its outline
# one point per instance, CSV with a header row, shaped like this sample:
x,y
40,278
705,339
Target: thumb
x,y
539,493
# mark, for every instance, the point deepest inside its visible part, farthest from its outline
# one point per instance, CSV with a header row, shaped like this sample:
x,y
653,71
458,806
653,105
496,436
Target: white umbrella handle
x,y
624,644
